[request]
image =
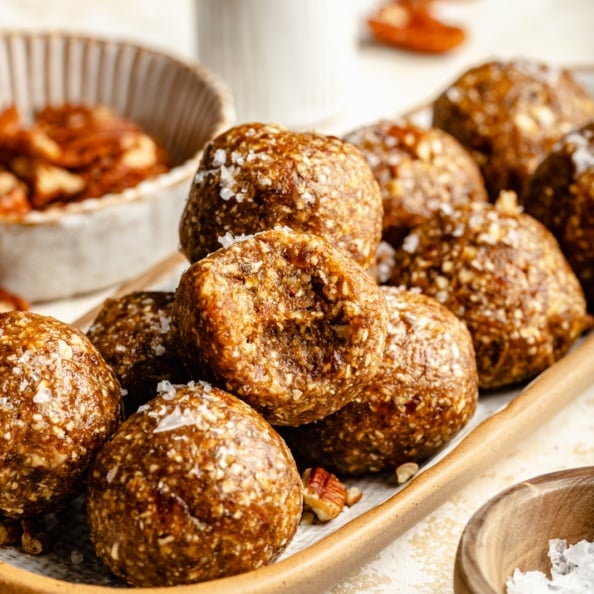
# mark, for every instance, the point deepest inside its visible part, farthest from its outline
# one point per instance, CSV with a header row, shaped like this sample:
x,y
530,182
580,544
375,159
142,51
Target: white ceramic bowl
x,y
90,245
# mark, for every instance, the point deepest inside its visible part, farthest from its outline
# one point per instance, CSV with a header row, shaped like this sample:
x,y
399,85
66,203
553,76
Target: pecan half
x,y
408,24
323,493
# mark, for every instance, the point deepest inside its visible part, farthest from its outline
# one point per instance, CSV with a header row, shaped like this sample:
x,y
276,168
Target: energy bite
x,y
419,170
560,194
508,115
424,393
59,402
193,486
257,176
504,275
133,333
284,320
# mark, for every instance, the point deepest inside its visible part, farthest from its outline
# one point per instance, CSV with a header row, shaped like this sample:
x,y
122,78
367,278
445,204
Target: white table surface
x,y
387,82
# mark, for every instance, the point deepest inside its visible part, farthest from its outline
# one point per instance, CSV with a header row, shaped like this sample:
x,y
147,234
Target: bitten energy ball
x,y
560,194
284,320
509,115
133,333
59,403
419,171
194,486
504,275
425,391
255,177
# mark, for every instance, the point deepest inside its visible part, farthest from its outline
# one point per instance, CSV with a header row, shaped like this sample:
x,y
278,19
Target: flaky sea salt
x,y
219,158
228,239
572,571
42,395
174,420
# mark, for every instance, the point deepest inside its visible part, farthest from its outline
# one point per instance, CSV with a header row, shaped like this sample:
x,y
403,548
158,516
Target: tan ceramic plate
x,y
321,555
98,243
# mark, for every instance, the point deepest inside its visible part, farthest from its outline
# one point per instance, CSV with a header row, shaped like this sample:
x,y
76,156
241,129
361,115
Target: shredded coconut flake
x,y
165,322
42,395
410,243
111,474
308,197
159,350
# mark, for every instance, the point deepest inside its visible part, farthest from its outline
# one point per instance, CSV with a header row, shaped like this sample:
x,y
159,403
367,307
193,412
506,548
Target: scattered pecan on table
x,y
410,25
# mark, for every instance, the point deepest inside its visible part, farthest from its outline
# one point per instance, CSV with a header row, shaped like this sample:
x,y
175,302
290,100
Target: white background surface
x,y
386,82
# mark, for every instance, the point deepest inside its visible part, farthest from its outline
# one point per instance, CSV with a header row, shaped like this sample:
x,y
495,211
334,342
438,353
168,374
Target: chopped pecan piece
x,y
323,493
406,471
13,195
354,495
48,182
10,301
34,540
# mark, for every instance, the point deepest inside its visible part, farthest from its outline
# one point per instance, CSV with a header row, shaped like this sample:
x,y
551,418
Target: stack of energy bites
x,y
344,301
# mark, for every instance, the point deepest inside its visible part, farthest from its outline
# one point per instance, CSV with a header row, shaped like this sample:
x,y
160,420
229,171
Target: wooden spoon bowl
x,y
512,530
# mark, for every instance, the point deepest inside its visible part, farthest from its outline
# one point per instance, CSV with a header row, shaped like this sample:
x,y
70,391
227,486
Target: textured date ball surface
x,y
283,320
509,115
424,393
133,333
419,171
194,486
560,194
255,177
59,402
504,275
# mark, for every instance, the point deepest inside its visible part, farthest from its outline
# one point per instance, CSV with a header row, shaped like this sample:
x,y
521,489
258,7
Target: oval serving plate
x,y
321,555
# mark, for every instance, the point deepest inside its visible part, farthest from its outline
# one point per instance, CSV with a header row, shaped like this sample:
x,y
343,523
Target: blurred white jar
x,y
287,61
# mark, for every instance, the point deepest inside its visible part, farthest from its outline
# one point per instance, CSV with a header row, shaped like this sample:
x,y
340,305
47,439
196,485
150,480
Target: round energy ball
x,y
424,393
419,171
133,333
504,275
194,486
285,321
560,195
59,402
508,115
255,177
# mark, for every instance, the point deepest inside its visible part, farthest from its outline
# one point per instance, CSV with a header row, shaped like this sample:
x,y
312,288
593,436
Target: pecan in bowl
x,y
86,198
